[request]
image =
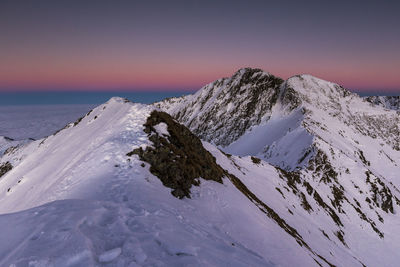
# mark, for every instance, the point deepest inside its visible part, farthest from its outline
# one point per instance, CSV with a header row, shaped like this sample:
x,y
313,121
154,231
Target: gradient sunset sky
x,y
182,45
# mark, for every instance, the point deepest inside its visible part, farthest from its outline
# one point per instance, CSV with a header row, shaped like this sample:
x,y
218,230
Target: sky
x,y
48,45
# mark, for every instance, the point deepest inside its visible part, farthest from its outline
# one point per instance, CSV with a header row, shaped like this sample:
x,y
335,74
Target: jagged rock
x,y
5,167
179,159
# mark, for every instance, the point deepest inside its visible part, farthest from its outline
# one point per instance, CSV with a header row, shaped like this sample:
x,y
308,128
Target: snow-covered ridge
x,y
70,155
389,102
105,189
222,117
83,199
341,152
223,110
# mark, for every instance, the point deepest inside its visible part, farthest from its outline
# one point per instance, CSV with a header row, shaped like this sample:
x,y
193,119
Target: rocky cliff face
x,y
222,111
177,156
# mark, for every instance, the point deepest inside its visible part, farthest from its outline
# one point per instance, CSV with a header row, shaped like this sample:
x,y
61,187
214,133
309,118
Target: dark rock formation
x,y
179,160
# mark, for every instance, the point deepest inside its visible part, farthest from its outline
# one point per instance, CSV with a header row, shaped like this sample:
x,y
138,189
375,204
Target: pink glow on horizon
x,y
186,67
179,74
144,45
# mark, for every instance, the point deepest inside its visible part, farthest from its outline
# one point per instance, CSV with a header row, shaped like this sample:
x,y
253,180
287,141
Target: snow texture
x,y
336,153
313,180
162,129
76,199
389,102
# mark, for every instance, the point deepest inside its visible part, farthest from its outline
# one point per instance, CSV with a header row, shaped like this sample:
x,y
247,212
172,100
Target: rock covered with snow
x,y
286,119
223,110
389,102
79,198
7,143
338,154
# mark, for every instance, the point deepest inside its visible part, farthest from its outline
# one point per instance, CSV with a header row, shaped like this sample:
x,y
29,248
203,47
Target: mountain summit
x,y
256,113
230,106
339,152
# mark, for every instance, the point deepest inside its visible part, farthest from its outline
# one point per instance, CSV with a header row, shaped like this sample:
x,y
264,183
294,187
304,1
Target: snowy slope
x,y
256,113
101,206
340,156
313,181
389,102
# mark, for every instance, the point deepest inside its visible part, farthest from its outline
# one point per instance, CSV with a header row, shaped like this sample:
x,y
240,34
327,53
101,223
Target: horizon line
x,y
369,91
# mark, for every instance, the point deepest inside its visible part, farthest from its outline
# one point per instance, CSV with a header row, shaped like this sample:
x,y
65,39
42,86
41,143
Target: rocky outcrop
x,y
178,158
5,167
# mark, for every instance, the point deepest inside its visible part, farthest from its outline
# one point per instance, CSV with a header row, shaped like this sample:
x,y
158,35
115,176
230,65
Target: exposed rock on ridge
x,y
389,102
178,159
338,154
223,110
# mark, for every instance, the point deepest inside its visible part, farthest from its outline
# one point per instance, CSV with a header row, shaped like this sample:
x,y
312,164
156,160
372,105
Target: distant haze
x,y
65,97
182,45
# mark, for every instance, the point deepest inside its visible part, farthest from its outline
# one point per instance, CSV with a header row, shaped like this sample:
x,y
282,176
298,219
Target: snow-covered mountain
x,y
339,153
100,192
230,106
289,173
389,102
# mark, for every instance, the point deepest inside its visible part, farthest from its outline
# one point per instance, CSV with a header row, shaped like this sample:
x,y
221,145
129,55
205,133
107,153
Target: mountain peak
x,y
117,99
241,101
249,71
310,85
338,152
308,168
229,109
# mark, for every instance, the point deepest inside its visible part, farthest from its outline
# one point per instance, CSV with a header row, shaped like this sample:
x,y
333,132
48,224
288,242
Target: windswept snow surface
x,y
281,140
148,227
74,162
76,199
